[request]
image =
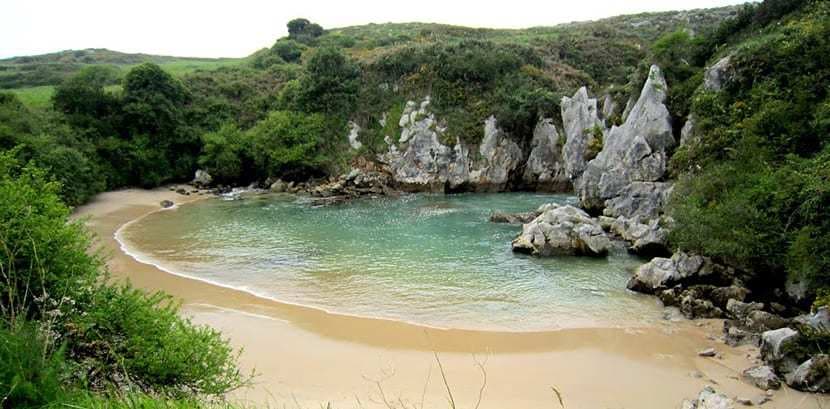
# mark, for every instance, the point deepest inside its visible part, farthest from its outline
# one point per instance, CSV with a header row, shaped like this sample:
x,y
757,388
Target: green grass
x,y
35,97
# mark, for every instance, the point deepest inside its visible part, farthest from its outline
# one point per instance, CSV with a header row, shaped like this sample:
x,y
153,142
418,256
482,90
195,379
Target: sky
x,y
209,28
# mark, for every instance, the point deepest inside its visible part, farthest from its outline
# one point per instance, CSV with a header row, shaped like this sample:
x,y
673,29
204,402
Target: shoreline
x,y
310,356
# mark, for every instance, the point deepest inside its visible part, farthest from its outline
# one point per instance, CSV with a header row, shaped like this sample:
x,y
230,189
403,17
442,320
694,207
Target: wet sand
x,y
306,358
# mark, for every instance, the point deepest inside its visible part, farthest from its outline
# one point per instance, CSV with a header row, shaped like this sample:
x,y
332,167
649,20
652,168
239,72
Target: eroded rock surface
x,y
562,230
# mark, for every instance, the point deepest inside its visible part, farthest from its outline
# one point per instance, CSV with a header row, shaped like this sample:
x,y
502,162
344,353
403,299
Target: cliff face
x,y
619,171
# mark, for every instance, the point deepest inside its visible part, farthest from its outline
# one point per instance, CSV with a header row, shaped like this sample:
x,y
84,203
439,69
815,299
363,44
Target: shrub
x,y
122,335
43,253
290,143
226,155
31,373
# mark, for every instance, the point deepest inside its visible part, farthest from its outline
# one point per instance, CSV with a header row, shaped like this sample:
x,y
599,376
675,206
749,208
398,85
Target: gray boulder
x,y
717,75
562,230
633,152
819,320
640,199
278,186
740,310
167,204
709,399
647,238
812,375
580,118
202,178
545,168
662,273
777,349
762,376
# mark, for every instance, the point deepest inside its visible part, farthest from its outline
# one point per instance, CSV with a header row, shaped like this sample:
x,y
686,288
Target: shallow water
x,y
429,259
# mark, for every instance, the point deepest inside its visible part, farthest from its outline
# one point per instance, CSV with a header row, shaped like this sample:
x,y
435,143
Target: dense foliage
x,y
755,180
63,326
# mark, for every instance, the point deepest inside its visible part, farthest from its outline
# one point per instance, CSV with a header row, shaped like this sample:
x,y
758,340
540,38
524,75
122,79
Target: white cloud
x,y
237,28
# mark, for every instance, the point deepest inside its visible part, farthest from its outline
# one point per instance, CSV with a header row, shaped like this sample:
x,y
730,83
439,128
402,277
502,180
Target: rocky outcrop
x,y
813,375
687,133
717,75
645,200
354,133
580,119
358,182
633,152
777,349
500,157
513,218
646,238
545,168
562,230
663,273
419,161
202,179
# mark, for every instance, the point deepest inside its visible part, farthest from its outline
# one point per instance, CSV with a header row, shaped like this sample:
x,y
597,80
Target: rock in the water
x,y
777,349
813,375
562,230
633,152
278,186
513,218
202,178
545,169
762,376
579,116
717,75
167,204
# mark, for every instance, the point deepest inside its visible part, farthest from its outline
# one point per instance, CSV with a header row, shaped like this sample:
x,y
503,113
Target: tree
x,y
289,143
85,101
304,31
330,84
288,50
227,155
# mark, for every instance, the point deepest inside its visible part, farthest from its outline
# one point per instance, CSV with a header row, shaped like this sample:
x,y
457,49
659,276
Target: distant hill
x,y
52,68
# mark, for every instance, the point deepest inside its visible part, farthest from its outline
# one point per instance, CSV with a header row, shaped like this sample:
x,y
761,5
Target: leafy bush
x,y
227,155
43,253
121,335
290,143
754,190
31,373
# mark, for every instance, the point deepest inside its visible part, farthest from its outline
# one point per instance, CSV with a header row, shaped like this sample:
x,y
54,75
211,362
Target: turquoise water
x,y
429,259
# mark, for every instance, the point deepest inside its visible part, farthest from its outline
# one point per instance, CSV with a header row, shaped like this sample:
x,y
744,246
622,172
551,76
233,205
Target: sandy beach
x,y
306,358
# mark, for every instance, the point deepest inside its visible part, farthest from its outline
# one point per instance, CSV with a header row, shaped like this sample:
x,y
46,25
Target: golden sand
x,y
306,358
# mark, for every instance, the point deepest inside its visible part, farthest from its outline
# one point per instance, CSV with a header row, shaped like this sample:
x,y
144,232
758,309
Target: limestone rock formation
x,y
717,75
580,118
545,168
709,399
633,152
662,273
354,133
202,179
562,230
500,157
